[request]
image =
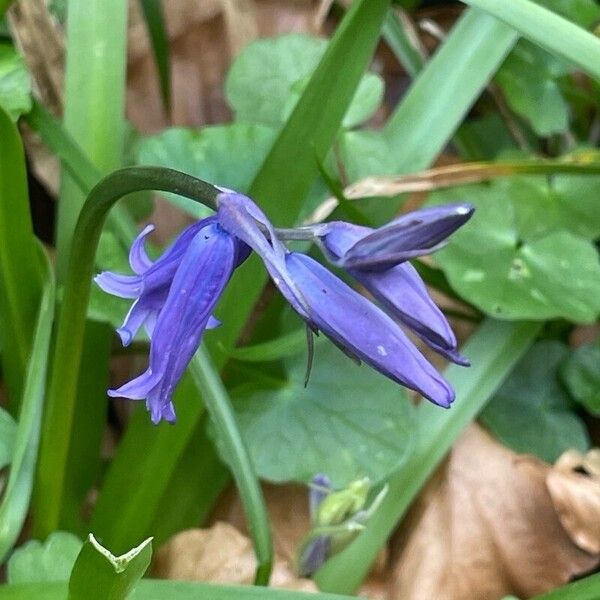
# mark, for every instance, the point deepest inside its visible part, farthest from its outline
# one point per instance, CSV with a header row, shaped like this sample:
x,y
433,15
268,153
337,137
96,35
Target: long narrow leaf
x,y
20,269
149,589
94,115
494,350
585,589
549,30
15,501
157,30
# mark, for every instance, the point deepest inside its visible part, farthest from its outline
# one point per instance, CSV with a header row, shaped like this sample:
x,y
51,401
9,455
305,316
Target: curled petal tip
x,y
125,335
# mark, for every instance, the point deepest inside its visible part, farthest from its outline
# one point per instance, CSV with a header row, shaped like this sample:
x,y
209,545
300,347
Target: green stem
x,y
71,323
218,404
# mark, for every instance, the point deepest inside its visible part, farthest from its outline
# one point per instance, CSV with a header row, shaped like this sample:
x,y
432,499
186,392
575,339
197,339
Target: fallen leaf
x,y
574,486
485,527
220,554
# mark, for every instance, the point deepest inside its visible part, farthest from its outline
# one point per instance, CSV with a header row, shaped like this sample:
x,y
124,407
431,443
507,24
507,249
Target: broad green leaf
x,y
226,155
266,81
512,260
348,422
20,267
51,560
528,80
581,374
493,349
8,430
156,589
285,346
260,80
15,82
99,575
531,413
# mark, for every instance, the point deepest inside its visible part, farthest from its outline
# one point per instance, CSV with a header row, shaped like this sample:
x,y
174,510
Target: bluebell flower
x,y
377,259
175,296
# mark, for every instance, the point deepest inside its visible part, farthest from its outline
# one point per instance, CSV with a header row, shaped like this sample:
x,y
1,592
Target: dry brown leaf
x,y
485,527
576,496
220,554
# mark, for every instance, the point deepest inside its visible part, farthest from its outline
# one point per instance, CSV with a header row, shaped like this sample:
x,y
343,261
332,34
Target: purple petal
x,y
365,330
238,215
123,286
197,285
406,298
138,259
414,234
318,489
313,555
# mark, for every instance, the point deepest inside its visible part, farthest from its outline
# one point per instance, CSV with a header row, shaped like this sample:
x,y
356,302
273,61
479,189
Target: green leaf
x,y
584,589
348,422
8,431
51,560
100,575
283,66
15,82
531,413
493,349
511,260
20,269
157,30
261,79
285,346
528,80
227,155
17,494
155,589
547,29
581,374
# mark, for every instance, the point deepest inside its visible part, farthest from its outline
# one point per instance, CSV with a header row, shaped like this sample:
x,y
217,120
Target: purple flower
x,y
174,296
327,304
378,260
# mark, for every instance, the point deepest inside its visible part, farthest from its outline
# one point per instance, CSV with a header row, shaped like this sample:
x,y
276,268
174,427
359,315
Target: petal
x,y
123,286
314,554
242,218
414,234
318,489
364,329
138,259
404,295
197,285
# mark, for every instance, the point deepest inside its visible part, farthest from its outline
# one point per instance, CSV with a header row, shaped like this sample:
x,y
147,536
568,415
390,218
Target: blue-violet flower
x,y
175,296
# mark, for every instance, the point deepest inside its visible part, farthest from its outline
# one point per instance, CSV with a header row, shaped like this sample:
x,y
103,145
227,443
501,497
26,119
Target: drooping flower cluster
x,y
175,296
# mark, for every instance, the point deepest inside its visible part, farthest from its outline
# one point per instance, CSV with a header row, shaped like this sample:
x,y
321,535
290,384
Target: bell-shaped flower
x,y
176,296
327,304
377,259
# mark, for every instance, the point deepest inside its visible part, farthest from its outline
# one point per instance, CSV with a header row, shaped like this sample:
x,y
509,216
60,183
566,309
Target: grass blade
x,y
159,39
94,115
398,39
494,349
549,30
451,82
584,589
15,501
20,269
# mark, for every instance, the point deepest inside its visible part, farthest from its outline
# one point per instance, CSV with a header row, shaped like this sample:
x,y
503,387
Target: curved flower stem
x,y
60,404
217,402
